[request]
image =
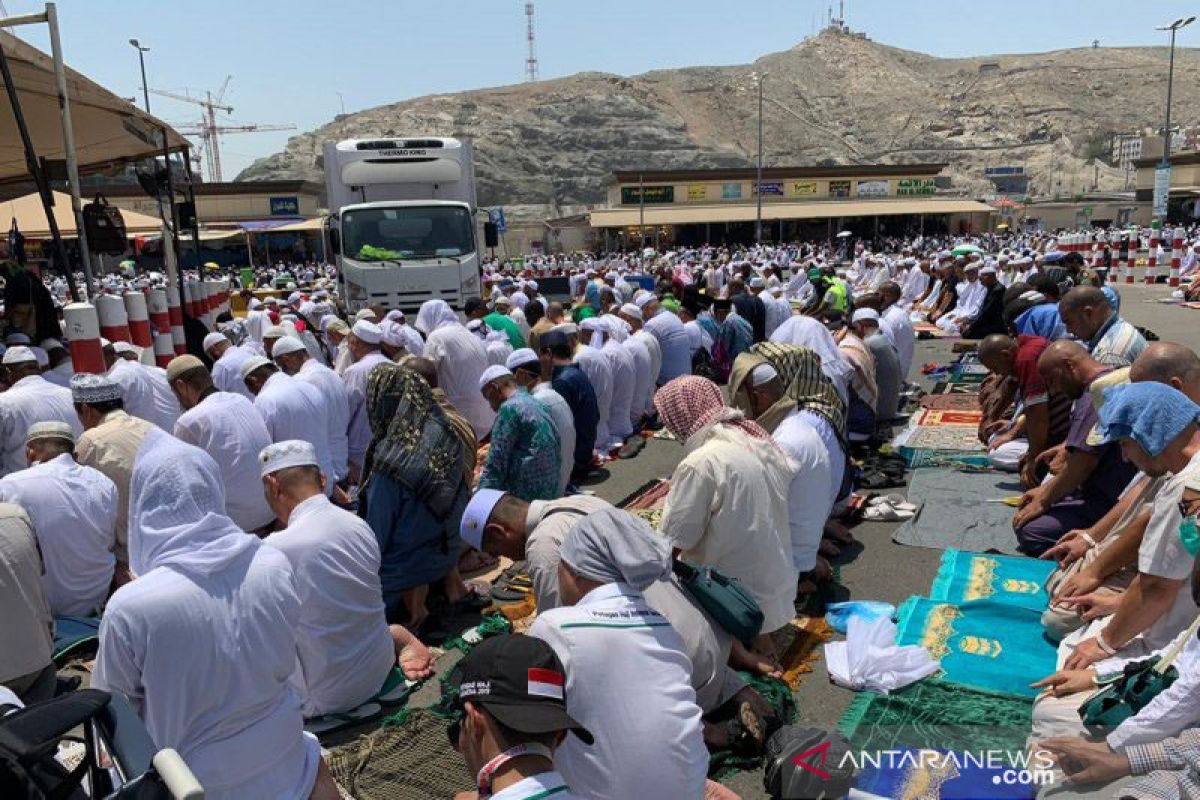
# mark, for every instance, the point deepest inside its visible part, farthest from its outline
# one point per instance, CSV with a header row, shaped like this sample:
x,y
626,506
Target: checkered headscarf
x,y
690,403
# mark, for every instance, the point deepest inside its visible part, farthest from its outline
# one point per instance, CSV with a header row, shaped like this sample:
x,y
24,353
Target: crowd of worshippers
x,y
271,526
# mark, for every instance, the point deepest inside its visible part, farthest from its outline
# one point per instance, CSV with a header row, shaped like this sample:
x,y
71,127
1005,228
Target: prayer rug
x,y
650,495
889,733
797,644
778,695
951,402
955,387
408,761
74,635
931,417
956,511
963,577
982,644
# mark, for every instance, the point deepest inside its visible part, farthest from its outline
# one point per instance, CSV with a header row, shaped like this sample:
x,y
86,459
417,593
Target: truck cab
x,y
403,221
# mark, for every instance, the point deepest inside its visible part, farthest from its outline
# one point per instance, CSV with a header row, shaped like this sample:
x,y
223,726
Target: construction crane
x,y
208,136
209,132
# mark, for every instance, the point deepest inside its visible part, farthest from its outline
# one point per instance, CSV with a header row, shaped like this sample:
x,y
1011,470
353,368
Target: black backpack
x,y
29,739
827,774
105,227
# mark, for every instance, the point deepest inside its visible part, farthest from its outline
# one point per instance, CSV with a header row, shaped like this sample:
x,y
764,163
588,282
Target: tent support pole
x,y
35,169
191,196
64,107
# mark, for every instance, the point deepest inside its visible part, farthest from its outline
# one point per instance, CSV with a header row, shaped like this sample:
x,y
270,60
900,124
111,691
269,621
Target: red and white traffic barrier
x,y
1098,251
1134,242
175,317
1152,259
160,317
164,347
1176,255
139,325
81,325
114,322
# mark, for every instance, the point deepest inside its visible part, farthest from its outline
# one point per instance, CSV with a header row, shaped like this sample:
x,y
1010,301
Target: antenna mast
x,y
531,62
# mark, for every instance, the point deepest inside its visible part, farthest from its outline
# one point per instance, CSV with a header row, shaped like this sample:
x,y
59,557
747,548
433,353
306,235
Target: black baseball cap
x,y
520,681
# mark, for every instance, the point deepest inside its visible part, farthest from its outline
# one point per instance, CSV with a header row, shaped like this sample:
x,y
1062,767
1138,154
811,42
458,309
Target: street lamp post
x,y
758,179
1162,186
142,61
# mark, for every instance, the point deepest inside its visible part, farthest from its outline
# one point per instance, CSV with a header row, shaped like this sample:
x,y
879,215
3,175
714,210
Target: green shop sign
x,y
632,195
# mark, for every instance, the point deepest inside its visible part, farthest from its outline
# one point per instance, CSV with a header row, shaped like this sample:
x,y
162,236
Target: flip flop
x,y
885,513
896,501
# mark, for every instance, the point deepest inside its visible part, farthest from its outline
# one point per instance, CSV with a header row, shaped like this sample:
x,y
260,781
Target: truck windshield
x,y
380,234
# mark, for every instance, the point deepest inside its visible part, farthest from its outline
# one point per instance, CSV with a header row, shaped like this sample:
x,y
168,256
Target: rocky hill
x,y
548,147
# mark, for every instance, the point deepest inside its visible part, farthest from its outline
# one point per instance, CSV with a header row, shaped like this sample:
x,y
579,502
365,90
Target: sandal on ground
x,y
883,512
896,501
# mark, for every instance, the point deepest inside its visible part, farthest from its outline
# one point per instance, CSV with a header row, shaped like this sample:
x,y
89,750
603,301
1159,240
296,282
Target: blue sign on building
x,y
285,206
496,217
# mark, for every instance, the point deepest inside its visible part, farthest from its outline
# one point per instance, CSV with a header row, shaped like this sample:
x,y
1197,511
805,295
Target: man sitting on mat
x,y
1089,477
346,648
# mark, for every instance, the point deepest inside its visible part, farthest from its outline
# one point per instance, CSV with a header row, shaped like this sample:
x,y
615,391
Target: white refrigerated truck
x,y
402,224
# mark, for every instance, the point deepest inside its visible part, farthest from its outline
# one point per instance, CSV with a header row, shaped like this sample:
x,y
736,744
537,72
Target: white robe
x,y
31,399
227,371
231,430
145,394
646,384
74,514
345,649
564,426
333,389
293,409
624,375
595,366
359,429
895,324
810,496
461,358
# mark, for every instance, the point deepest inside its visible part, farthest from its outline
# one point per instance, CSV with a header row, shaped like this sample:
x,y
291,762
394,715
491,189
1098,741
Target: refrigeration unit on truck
x,y
402,223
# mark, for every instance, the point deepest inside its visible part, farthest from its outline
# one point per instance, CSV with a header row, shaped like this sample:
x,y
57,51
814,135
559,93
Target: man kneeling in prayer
x,y
345,645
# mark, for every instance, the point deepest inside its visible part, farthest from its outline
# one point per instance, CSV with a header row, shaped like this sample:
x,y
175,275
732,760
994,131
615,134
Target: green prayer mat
x,y
963,577
937,715
723,763
982,644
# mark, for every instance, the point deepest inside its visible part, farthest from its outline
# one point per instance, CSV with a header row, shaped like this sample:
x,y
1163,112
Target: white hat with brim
x,y
475,518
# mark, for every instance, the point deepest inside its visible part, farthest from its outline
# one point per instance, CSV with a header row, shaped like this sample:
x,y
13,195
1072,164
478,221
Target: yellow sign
x,y
699,192
801,188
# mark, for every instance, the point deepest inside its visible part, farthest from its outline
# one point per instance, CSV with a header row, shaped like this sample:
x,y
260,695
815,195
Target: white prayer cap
x,y
294,298
365,313
763,373
521,357
253,363
272,300
757,282
532,285
366,331
631,310
18,355
88,388
971,266
395,314
644,299
286,454
593,324
475,518
182,364
214,339
16,338
503,300
124,347
988,270
864,313
50,430
286,345
274,332
255,304
569,328
494,372
52,344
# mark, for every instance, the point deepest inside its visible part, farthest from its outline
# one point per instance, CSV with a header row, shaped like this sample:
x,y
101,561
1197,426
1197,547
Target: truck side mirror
x,y
335,241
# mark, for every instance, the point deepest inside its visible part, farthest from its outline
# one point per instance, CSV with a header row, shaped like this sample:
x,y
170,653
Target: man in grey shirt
x,y
887,364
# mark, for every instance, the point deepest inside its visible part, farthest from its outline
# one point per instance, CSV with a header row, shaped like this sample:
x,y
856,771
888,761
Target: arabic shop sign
x,y
632,195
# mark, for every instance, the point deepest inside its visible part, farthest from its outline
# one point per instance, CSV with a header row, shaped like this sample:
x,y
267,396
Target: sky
x,y
298,61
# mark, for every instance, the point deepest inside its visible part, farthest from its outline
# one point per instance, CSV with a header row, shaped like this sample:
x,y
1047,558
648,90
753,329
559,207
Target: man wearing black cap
x,y
511,693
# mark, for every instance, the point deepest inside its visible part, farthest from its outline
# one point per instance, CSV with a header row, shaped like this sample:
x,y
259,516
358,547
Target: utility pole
x,y
758,179
1162,176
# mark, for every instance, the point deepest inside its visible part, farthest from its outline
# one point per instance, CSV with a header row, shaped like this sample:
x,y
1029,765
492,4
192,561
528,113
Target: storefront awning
x,y
31,218
746,212
310,225
109,131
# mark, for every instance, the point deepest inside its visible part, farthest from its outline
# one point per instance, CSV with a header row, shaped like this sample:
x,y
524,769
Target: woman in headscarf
x,y
629,679
811,333
203,642
461,358
414,489
727,507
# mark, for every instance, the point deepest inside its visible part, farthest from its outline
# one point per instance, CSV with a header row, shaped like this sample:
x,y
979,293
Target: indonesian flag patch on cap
x,y
546,683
